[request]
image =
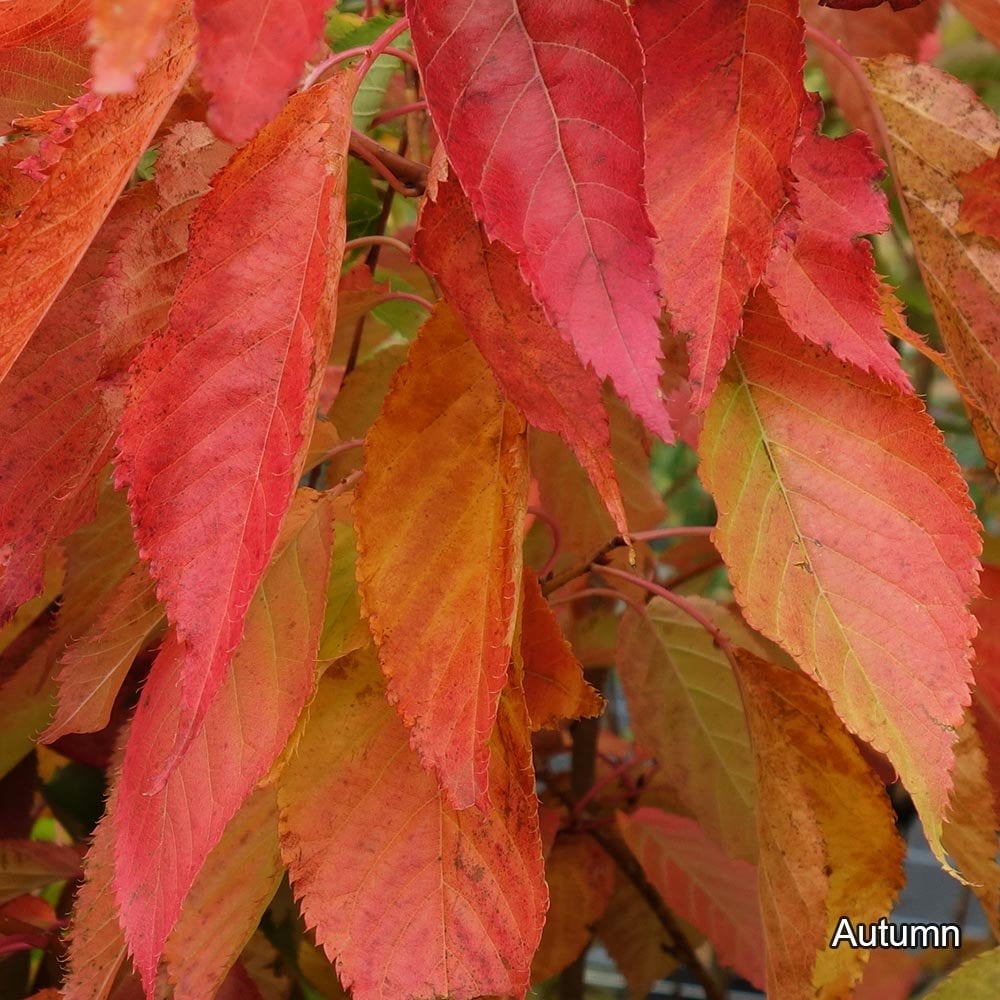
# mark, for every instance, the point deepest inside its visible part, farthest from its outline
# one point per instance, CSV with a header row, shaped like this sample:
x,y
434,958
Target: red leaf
x,y
251,55
162,840
841,487
43,59
723,97
59,405
411,897
537,370
441,597
503,82
554,686
980,208
59,221
217,424
125,33
821,274
983,15
710,890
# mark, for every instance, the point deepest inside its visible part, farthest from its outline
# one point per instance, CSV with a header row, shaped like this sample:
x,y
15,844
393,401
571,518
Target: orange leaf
x,y
439,562
554,685
60,219
815,793
27,865
43,59
939,131
61,402
980,208
162,839
712,891
984,16
717,158
216,428
537,370
411,897
581,880
839,489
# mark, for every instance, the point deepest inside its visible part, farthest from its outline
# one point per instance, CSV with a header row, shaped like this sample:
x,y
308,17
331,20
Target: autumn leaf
x,y
271,678
251,55
821,273
986,669
411,897
215,430
504,90
441,597
536,369
554,686
840,487
226,901
62,216
980,208
43,60
970,833
581,880
27,865
685,707
95,664
718,154
710,890
60,405
982,15
125,34
940,130
815,792
974,980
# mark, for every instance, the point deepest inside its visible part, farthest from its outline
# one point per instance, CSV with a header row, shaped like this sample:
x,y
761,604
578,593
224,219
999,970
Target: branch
x,y
407,177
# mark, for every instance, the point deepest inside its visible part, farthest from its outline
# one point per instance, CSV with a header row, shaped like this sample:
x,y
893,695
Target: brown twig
x,y
404,176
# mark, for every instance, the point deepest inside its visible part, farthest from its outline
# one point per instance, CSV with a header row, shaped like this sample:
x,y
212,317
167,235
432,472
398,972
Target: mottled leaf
x,y
411,897
441,596
939,129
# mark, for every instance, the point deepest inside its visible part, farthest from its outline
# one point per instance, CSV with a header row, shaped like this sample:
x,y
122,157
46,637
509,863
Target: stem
x,y
381,241
579,595
721,640
345,484
403,109
556,537
342,447
402,297
369,52
617,772
406,177
692,531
